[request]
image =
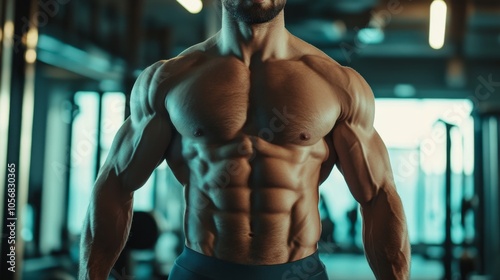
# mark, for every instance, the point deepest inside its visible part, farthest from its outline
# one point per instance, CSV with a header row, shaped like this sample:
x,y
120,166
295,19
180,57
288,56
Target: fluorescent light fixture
x,y
405,90
371,35
192,6
437,26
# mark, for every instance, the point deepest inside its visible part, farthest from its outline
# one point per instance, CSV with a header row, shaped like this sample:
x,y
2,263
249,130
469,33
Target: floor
x,y
355,267
339,267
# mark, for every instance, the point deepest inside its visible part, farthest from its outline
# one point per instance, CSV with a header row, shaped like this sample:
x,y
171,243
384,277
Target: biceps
x,y
363,160
137,149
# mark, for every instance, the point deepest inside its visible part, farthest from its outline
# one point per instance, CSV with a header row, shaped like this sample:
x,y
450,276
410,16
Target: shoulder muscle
x,y
359,107
150,88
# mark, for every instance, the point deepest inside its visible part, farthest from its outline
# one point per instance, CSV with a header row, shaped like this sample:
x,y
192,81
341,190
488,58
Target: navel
x,y
304,136
203,167
198,132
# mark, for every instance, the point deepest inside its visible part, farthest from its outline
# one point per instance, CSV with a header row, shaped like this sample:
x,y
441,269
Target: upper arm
x,y
141,142
362,155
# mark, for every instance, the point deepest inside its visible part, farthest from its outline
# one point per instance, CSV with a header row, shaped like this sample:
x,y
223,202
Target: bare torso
x,y
251,122
250,147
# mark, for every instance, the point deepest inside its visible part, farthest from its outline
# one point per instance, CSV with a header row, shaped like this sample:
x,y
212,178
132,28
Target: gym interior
x,y
66,72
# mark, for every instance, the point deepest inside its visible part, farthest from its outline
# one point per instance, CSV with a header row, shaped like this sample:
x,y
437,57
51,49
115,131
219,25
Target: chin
x,y
258,12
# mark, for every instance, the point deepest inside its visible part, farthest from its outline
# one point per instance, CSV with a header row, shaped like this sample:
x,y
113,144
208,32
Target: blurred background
x,y
67,68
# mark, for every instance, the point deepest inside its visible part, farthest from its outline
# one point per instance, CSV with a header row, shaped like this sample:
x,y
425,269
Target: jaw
x,y
254,12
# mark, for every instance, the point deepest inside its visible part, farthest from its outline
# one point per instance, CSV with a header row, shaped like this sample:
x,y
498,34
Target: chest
x,y
280,102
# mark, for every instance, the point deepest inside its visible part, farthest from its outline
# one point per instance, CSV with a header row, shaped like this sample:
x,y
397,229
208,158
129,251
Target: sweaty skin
x,y
251,122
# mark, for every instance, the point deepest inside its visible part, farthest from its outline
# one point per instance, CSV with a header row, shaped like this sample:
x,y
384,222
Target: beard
x,y
253,13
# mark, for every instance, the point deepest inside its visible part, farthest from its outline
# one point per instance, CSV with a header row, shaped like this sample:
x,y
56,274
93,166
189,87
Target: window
x,y
416,141
99,117
83,158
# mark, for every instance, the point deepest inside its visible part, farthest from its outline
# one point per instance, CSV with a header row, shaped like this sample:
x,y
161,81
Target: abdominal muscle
x,y
254,209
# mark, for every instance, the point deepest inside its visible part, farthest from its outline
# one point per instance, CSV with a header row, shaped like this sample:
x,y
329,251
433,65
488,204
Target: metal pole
x,y
100,107
6,51
479,219
23,30
448,244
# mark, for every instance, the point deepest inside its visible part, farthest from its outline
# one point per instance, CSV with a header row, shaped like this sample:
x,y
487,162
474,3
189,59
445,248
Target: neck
x,y
267,40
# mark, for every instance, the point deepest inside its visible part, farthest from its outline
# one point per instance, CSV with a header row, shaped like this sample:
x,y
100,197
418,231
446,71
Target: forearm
x,y
106,229
385,236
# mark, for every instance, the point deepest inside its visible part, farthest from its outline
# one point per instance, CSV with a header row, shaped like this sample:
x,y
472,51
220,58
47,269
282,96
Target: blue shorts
x,y
191,265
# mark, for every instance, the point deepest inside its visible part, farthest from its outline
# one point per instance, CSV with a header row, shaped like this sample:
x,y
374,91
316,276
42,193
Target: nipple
x,y
198,133
305,136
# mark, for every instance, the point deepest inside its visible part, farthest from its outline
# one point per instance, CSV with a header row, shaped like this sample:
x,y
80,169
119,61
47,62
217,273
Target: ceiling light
x,y
371,35
437,26
405,90
30,56
192,6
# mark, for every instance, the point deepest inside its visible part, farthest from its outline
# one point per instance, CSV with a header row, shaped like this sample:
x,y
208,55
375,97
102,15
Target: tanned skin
x,y
251,122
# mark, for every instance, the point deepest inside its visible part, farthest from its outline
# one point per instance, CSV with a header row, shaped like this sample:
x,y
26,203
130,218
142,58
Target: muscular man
x,y
251,122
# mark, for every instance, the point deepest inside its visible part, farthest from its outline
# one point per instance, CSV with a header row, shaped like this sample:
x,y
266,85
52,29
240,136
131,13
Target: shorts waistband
x,y
220,269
